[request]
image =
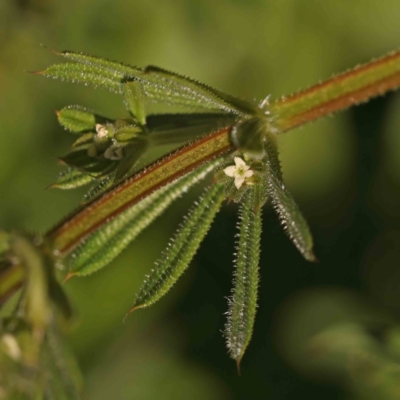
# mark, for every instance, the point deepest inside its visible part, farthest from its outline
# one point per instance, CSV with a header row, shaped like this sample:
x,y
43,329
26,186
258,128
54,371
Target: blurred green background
x,y
344,172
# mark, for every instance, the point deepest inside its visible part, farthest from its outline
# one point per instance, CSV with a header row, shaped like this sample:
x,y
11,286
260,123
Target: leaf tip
x,y
310,256
69,276
58,53
42,72
130,311
238,362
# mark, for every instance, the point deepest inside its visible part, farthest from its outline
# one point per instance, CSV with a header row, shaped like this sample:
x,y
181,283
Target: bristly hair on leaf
x,y
181,249
213,132
100,248
243,302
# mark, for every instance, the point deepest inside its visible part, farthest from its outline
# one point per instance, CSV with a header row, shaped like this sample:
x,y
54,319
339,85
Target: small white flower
x,y
113,153
241,171
101,130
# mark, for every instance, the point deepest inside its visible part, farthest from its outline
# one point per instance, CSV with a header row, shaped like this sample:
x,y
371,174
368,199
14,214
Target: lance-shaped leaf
x,y
135,100
243,302
99,62
86,74
288,211
85,139
165,86
132,153
106,243
71,179
36,286
180,251
127,133
76,119
63,379
167,129
170,87
79,158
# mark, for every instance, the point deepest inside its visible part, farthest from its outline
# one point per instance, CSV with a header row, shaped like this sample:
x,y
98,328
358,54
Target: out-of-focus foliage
x,y
345,172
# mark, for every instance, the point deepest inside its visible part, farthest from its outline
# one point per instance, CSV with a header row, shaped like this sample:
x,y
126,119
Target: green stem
x,y
69,232
11,278
338,93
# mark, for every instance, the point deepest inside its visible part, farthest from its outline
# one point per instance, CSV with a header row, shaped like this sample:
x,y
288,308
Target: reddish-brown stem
x,y
97,212
338,93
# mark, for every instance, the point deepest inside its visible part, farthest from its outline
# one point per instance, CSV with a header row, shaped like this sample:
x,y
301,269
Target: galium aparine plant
x,y
216,134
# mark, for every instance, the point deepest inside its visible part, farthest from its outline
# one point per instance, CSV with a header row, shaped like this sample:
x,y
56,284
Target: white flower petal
x,y
239,162
230,171
249,173
239,182
101,130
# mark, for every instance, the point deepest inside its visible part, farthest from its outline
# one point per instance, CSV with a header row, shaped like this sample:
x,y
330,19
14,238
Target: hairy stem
x,y
338,93
97,212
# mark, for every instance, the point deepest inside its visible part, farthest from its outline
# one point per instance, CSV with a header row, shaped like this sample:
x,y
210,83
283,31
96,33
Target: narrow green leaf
x,y
100,248
72,179
86,140
86,74
101,167
133,152
98,62
289,213
64,380
243,302
180,128
76,119
36,286
178,255
135,100
165,86
127,133
80,159
170,87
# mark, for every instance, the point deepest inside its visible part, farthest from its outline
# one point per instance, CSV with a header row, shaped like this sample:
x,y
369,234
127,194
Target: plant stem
x,y
338,93
350,88
11,278
95,213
